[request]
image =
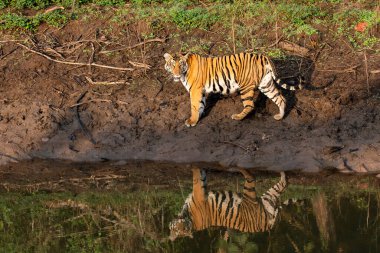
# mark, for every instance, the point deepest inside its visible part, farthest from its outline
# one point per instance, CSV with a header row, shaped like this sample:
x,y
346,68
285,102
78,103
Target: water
x,y
127,208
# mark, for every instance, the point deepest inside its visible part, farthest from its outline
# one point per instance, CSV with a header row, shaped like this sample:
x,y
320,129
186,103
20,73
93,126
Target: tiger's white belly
x,y
216,86
222,87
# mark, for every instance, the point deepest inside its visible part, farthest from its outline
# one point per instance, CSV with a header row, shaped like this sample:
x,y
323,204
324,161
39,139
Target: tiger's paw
x,y
190,123
237,117
278,116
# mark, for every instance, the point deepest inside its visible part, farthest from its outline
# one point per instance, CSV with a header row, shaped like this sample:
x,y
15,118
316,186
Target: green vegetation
x,y
88,222
135,219
354,22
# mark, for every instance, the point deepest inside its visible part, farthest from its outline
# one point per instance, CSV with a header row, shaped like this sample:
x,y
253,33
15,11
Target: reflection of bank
x,y
227,209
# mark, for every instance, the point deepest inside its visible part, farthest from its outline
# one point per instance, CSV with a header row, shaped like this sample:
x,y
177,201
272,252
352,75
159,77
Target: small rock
x,y
378,176
45,139
120,163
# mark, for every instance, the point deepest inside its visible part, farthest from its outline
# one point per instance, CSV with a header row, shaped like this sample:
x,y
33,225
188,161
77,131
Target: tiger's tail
x,y
291,84
271,201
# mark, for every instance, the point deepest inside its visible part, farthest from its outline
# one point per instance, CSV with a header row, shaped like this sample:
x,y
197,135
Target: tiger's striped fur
x,y
227,209
242,72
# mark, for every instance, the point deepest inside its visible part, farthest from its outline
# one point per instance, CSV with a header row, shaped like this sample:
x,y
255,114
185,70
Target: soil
x,y
41,175
333,123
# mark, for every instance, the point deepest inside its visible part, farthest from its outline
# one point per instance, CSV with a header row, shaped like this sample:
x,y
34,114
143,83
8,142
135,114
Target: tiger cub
x,y
244,72
246,213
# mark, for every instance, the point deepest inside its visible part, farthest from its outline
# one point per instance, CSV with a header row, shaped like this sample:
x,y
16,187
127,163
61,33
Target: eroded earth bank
x,y
333,123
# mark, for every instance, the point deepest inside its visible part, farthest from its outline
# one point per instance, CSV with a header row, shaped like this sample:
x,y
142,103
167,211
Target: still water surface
x,y
122,208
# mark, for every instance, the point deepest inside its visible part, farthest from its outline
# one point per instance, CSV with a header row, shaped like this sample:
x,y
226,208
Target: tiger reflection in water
x,y
248,213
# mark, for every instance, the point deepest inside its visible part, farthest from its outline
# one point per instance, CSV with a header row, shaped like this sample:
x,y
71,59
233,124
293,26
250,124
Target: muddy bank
x,y
334,124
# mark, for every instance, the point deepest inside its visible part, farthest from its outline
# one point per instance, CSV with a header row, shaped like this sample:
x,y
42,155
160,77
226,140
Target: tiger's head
x,y
180,227
178,68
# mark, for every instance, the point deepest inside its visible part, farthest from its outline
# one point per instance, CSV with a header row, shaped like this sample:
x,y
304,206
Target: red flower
x,y
360,27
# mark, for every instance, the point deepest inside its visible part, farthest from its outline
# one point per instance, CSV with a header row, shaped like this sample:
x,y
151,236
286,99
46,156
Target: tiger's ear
x,y
185,57
168,57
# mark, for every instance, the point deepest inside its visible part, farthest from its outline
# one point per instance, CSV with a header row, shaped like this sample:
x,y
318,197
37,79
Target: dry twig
x,y
233,33
82,126
53,9
246,149
105,82
366,70
10,52
10,41
98,100
91,59
74,63
139,65
8,156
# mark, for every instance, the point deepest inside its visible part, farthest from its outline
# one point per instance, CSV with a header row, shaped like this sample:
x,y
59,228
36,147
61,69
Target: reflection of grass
x,y
88,222
131,219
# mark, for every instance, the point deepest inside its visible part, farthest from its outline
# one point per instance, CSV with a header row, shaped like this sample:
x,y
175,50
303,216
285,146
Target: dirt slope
x,y
334,123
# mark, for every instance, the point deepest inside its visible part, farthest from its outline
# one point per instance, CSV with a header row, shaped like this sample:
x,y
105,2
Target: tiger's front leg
x,y
198,103
199,184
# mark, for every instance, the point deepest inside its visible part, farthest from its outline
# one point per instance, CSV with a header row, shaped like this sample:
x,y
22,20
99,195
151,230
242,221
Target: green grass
x,y
15,21
294,20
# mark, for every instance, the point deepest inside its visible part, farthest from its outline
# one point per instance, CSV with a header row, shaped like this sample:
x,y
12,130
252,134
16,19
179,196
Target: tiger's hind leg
x,y
271,198
268,88
247,99
249,184
274,192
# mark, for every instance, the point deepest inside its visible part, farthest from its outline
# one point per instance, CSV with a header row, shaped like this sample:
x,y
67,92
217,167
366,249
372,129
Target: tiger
x,y
243,73
246,213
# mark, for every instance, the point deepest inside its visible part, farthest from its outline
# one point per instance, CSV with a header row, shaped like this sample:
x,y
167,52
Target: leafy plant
x,y
347,22
197,17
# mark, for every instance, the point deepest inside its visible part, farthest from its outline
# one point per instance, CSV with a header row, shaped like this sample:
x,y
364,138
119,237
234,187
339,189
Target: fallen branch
x,y
292,47
105,82
74,63
82,126
130,47
375,71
